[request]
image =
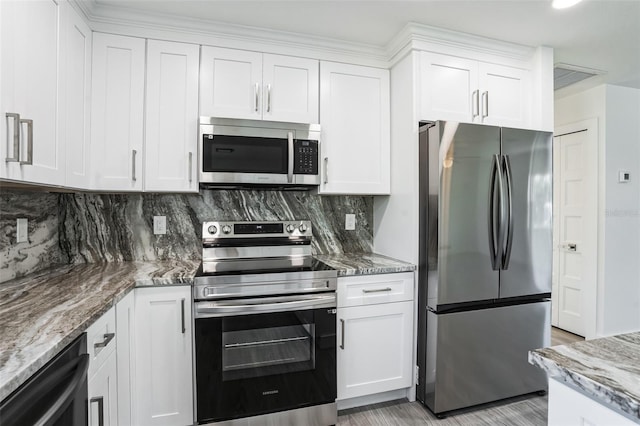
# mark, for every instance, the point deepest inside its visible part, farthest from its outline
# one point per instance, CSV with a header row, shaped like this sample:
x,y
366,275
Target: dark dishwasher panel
x,y
55,395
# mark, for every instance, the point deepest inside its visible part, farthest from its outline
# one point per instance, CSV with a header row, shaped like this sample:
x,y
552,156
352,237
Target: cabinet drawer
x,y
101,339
374,289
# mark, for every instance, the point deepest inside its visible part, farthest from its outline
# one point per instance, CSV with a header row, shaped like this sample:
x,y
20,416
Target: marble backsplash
x,y
84,227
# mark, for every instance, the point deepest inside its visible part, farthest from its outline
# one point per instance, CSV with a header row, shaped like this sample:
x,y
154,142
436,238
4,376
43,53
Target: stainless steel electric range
x,y
265,327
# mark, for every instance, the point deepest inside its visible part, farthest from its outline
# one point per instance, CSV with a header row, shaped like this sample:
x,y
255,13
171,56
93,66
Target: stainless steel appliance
x,y
56,394
265,327
249,153
485,262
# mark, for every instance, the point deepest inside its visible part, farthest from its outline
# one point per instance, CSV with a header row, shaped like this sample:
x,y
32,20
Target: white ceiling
x,y
598,34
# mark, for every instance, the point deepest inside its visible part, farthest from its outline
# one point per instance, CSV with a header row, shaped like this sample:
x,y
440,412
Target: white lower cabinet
x,y
124,356
374,330
162,371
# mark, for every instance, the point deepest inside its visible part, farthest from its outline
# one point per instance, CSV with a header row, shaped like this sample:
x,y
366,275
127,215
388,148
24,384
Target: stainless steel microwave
x,y
248,152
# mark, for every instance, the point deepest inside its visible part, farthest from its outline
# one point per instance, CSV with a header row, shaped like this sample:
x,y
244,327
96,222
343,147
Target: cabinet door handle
x,y
377,290
485,104
190,167
342,334
100,401
133,164
326,170
184,329
474,103
268,98
107,338
16,137
29,124
256,92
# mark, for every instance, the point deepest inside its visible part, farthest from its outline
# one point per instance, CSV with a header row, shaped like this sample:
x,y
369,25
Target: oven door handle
x,y
260,305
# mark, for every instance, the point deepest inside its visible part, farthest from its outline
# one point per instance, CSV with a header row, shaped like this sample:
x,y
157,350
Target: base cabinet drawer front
x,y
374,348
374,289
162,371
569,407
103,394
101,341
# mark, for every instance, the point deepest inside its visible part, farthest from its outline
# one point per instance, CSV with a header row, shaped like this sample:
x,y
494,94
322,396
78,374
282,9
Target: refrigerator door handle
x,y
506,256
493,238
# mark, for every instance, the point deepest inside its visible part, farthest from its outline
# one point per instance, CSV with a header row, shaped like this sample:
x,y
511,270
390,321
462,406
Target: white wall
x,y
617,110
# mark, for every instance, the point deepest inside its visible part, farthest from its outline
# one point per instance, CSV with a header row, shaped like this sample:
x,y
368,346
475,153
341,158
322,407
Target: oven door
x,y
263,355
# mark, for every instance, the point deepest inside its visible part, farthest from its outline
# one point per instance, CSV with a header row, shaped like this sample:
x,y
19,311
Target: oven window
x,y
265,351
244,154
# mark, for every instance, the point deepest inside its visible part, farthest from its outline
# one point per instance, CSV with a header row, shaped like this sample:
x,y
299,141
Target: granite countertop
x,y
348,264
42,313
606,369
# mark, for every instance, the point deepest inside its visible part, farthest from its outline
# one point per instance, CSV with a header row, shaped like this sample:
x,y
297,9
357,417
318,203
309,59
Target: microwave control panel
x,y
305,157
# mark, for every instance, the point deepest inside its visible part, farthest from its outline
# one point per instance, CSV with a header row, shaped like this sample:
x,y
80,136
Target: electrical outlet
x,y
159,225
22,226
350,222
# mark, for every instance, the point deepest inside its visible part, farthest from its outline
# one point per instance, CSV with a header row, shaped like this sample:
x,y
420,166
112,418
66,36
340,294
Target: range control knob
x,y
226,229
302,228
290,228
212,229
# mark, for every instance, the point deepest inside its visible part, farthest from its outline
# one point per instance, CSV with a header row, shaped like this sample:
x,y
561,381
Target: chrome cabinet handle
x,y
190,167
133,164
107,338
184,328
377,290
485,104
268,98
29,124
474,103
256,91
326,170
16,137
290,155
100,401
342,334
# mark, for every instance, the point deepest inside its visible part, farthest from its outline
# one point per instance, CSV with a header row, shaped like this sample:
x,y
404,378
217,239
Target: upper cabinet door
x,y
171,117
32,149
230,83
117,112
448,88
290,89
355,123
505,95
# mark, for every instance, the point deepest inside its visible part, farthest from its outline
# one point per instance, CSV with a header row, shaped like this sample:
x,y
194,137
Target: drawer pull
x,y
377,290
107,338
342,334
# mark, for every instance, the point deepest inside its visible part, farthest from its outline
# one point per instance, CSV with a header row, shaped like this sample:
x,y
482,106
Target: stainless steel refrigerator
x,y
485,262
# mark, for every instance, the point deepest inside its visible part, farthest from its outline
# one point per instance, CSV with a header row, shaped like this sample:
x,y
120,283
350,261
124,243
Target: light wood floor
x,y
528,410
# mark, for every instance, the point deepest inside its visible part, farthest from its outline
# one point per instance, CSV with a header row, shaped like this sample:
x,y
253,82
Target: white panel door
x,y
230,83
504,96
354,117
102,394
576,208
290,89
30,69
163,393
76,121
448,88
171,124
117,112
374,348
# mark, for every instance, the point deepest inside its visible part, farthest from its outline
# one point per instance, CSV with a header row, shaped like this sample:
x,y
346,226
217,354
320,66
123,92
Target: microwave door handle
x,y
290,157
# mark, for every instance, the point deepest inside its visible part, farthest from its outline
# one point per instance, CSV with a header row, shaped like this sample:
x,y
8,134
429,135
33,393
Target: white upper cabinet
x,y
31,148
355,125
171,123
251,85
117,112
76,121
466,90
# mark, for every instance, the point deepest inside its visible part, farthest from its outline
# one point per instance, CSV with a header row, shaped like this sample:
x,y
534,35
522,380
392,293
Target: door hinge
x,y
416,373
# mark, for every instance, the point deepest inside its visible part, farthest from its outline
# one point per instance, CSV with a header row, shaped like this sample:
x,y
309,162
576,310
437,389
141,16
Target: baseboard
x,y
376,398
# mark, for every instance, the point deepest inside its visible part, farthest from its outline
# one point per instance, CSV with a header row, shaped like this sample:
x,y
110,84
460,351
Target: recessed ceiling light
x,y
563,4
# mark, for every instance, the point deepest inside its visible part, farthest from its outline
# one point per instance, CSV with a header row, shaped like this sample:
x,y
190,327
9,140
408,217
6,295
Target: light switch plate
x,y
159,225
22,226
350,222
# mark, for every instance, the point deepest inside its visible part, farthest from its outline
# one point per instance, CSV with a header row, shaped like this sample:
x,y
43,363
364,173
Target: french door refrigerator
x,y
484,262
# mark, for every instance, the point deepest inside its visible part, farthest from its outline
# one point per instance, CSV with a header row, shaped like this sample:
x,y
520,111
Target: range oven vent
x,y
565,75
